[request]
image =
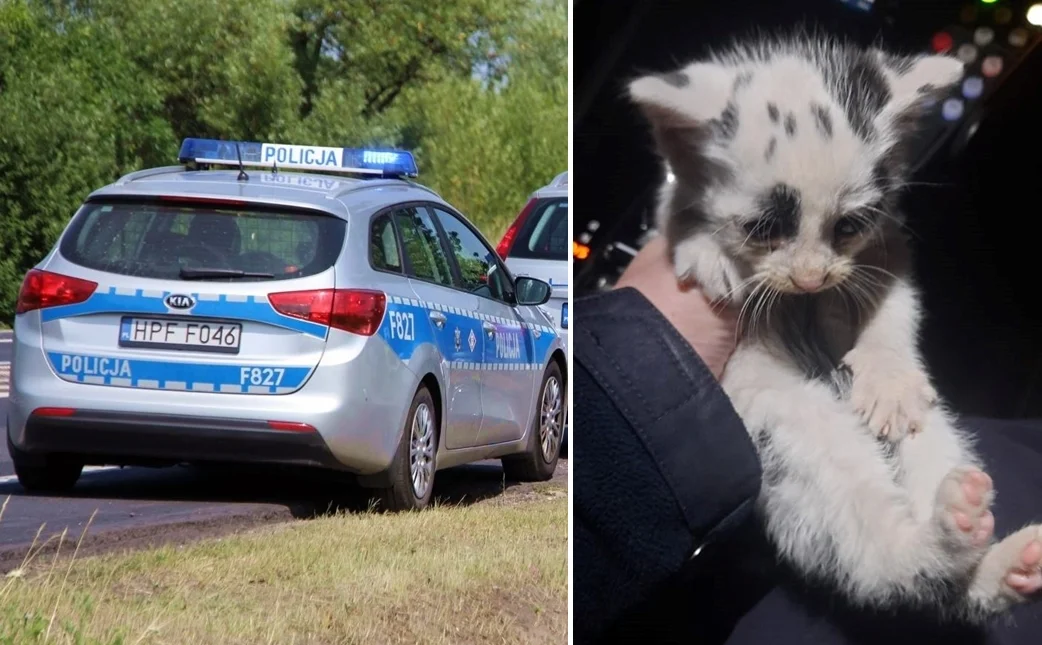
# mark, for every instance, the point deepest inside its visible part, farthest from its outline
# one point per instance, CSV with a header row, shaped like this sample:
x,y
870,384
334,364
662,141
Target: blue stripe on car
x,y
171,375
243,308
515,345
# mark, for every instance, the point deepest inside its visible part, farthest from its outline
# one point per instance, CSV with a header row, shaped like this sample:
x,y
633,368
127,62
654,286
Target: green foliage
x,y
92,89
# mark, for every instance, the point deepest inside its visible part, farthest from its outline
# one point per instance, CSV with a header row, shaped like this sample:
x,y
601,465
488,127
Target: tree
x,y
486,143
92,89
382,48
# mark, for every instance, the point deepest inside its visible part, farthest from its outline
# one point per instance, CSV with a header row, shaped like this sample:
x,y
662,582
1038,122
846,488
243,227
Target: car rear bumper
x,y
107,437
356,399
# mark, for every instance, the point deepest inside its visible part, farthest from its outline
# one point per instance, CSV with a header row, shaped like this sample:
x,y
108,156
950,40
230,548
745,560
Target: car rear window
x,y
153,240
544,235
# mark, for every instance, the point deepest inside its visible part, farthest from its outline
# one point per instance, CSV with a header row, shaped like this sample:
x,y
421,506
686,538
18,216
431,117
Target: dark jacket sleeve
x,y
661,462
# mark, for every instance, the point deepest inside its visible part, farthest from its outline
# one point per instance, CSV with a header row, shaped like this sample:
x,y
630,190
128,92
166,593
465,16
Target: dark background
x,y
975,211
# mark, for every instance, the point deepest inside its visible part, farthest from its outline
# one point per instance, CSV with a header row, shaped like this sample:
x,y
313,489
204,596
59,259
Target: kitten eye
x,y
849,226
763,229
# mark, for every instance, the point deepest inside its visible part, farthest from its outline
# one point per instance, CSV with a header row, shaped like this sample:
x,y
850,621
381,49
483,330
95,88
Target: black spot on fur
x,y
676,79
742,80
822,119
790,124
727,124
779,214
772,112
797,323
771,146
856,82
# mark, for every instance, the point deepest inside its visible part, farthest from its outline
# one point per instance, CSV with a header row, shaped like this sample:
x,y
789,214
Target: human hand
x,y
710,329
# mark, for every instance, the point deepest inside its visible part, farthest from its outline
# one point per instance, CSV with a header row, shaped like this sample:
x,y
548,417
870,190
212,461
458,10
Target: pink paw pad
x,y
965,495
1026,578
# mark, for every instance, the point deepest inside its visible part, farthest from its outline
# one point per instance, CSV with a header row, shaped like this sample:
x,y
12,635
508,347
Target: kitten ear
x,y
914,78
688,97
681,106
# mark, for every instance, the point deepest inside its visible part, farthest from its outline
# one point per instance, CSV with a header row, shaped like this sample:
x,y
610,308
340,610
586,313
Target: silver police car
x,y
353,321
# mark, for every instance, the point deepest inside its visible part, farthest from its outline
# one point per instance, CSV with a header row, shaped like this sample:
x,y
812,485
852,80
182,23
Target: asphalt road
x,y
146,505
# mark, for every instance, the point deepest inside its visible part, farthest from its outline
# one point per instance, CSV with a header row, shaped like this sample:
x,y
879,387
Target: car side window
x,y
479,269
383,245
422,246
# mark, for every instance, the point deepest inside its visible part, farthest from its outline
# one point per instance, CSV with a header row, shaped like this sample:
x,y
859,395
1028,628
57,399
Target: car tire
x,y
44,473
411,488
539,461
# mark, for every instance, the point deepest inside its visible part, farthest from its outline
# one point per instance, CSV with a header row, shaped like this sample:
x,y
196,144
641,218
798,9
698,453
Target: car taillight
x,y
511,235
290,426
53,412
355,310
42,289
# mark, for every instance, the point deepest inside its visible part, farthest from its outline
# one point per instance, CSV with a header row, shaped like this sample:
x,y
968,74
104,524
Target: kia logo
x,y
179,301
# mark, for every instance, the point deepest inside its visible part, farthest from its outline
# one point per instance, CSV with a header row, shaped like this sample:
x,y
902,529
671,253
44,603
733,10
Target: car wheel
x,y
413,468
44,473
539,461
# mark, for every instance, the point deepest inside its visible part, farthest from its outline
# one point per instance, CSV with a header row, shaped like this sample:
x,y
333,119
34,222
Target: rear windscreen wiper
x,y
203,274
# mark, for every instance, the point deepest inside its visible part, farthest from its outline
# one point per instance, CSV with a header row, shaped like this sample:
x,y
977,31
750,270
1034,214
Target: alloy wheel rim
x,y
421,451
551,413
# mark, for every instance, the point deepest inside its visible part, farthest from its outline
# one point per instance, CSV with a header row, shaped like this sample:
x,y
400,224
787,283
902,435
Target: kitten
x,y
786,158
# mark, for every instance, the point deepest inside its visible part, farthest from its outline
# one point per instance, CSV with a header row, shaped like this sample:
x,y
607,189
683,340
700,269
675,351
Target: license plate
x,y
564,316
165,333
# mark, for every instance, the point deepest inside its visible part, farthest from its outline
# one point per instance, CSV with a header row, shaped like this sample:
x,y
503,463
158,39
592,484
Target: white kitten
x,y
787,158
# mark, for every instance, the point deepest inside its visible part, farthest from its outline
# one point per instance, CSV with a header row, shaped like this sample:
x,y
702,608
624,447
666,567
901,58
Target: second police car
x,y
197,314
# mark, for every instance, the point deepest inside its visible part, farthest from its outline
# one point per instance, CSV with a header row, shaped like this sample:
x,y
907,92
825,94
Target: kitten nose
x,y
809,281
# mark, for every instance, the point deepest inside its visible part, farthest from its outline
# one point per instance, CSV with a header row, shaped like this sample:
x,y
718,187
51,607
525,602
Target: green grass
x,y
494,572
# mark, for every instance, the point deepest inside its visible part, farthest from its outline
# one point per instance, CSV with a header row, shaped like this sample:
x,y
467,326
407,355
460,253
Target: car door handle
x,y
438,318
489,328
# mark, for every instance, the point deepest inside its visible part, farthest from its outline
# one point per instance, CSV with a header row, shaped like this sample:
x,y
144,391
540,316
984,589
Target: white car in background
x,y
537,245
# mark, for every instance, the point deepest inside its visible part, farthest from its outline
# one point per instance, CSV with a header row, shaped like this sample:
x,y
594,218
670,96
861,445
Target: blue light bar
x,y
387,163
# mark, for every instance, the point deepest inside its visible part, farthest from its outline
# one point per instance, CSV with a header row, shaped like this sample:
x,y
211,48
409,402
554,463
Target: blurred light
x,y
1018,37
983,36
1035,14
989,1
942,42
992,66
952,110
580,251
967,53
670,178
973,87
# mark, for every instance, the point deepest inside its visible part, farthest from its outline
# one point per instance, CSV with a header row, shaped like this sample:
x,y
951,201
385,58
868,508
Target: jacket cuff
x,y
674,404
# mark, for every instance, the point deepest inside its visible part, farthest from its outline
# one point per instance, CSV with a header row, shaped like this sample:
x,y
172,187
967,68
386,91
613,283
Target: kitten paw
x,y
1012,568
1026,577
700,259
963,500
892,397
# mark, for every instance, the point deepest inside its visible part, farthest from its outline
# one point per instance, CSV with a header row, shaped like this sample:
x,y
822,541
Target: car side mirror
x,y
531,292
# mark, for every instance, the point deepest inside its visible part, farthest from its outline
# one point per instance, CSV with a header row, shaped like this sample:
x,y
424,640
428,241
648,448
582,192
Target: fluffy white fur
x,y
780,150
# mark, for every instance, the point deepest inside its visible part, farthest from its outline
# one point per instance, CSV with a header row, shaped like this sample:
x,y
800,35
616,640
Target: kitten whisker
x,y
867,267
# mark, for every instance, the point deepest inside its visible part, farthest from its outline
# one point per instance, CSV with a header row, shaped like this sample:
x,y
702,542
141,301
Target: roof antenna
x,y
274,167
242,170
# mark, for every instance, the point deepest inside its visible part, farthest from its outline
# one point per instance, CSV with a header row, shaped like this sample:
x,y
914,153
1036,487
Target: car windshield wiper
x,y
202,274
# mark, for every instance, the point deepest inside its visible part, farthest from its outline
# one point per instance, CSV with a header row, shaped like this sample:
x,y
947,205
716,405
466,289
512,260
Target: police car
x,y
347,318
537,244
